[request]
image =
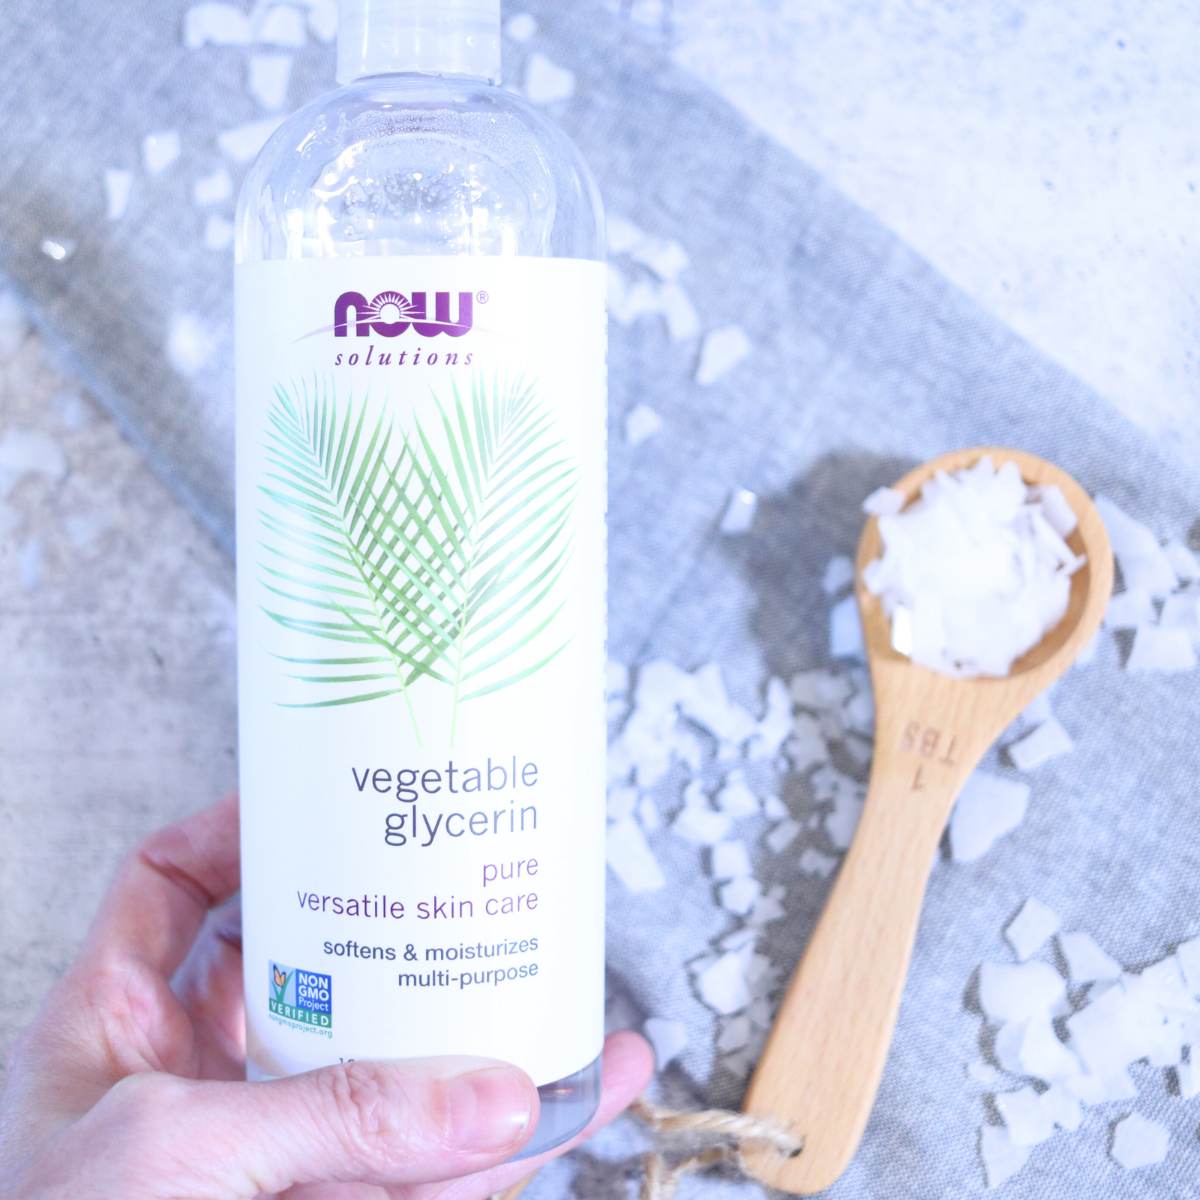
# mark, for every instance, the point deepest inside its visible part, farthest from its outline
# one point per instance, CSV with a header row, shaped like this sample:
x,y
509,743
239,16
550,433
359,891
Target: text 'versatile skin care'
x,y
421,501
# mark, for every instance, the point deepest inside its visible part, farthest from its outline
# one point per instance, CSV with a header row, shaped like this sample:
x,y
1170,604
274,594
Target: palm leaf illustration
x,y
438,558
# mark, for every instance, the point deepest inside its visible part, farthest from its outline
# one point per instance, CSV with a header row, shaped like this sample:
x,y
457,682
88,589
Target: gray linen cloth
x,y
864,361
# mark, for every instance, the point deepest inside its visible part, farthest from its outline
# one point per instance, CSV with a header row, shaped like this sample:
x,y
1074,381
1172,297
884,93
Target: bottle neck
x,y
391,37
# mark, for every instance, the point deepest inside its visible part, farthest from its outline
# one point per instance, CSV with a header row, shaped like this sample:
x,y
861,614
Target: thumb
x,y
411,1121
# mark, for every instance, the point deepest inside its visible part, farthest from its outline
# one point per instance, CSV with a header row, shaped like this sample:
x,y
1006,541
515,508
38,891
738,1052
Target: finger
x,y
165,889
626,1068
394,1123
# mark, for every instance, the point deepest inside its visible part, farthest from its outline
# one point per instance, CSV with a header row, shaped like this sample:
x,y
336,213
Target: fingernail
x,y
491,1109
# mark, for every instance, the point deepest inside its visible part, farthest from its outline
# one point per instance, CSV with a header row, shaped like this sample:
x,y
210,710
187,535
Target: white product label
x,y
421,497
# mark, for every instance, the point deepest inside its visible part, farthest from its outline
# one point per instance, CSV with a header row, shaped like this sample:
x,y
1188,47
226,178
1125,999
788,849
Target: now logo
x,y
392,313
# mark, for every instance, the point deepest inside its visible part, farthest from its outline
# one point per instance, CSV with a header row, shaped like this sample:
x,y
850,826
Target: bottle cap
x,y
432,37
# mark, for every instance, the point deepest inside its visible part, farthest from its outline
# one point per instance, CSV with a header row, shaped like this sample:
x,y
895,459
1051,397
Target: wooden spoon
x,y
821,1067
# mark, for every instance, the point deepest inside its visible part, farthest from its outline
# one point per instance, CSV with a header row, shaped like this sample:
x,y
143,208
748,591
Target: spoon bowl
x,y
821,1067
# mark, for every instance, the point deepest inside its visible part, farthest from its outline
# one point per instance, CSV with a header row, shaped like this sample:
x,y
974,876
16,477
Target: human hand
x,y
128,1085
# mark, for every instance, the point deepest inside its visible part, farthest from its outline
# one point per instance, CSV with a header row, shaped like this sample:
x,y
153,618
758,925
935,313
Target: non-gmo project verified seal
x,y
304,997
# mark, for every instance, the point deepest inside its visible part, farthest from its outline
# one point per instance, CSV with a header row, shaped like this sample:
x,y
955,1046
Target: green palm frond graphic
x,y
436,553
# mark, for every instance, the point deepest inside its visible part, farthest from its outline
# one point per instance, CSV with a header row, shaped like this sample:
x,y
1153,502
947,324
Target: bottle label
x,y
421,579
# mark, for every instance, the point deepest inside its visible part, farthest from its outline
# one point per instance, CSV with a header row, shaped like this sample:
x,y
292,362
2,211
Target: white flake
x,y
631,859
118,184
1019,992
701,826
1156,649
845,630
739,512
521,27
983,1072
1041,1054
739,896
721,351
1183,561
1139,1142
1002,1159
546,82
215,24
1188,955
735,1034
641,422
622,803
884,502
722,985
783,835
730,861
1027,1121
665,257
1128,537
1031,928
841,823
29,451
213,188
668,1037
1188,1079
1048,741
268,78
1063,1108
323,19
282,25
160,151
735,797
813,862
623,234
1056,509
218,232
243,142
1086,961
59,249
1129,609
1181,611
683,321
1149,572
839,574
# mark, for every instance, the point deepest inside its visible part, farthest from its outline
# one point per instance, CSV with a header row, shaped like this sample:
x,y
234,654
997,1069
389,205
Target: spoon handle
x,y
824,1060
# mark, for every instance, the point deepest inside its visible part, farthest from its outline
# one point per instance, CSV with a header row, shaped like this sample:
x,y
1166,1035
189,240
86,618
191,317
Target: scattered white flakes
x,y
739,512
884,502
243,142
1151,573
1032,928
323,19
813,862
845,630
190,344
1048,741
641,422
622,803
842,822
1188,956
282,25
669,1039
702,826
983,1072
730,860
972,574
631,859
1027,1121
546,82
14,324
623,234
774,809
1181,611
1086,961
1019,992
29,451
58,249
739,896
218,232
776,724
1129,609
160,151
29,564
214,188
118,185
521,27
268,78
839,574
1183,561
1002,1158
215,25
1064,1109
1040,1053
1188,1078
1156,649
683,321
1139,1142
648,814
783,835
723,986
721,351
735,1034
735,797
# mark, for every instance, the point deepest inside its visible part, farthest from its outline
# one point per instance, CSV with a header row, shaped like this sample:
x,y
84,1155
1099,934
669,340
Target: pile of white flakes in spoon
x,y
1061,1044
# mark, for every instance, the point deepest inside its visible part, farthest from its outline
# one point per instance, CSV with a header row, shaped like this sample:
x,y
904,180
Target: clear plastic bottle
x,y
419,154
